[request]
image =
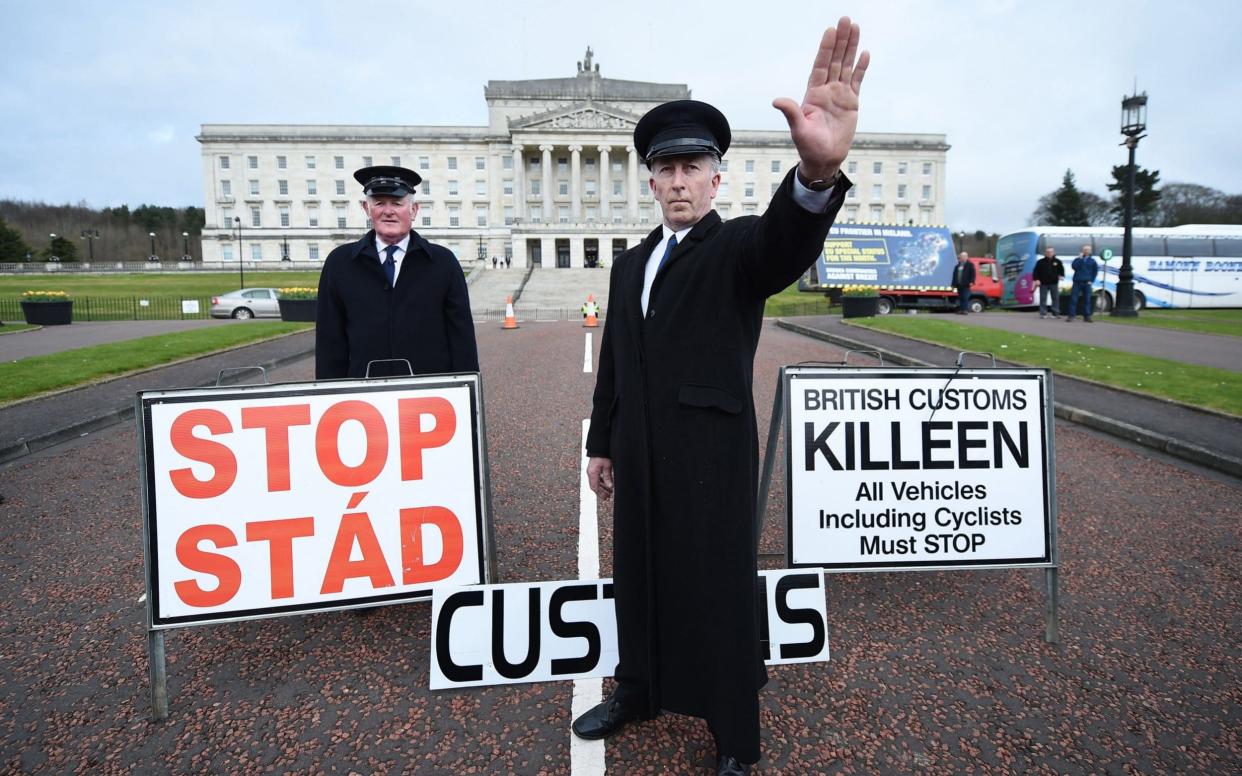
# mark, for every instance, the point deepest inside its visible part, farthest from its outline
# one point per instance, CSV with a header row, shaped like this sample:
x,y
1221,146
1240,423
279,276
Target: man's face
x,y
685,187
1050,253
391,216
1086,250
962,257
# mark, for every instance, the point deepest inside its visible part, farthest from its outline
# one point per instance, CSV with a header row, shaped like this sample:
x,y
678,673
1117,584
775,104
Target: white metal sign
x,y
918,468
546,631
278,499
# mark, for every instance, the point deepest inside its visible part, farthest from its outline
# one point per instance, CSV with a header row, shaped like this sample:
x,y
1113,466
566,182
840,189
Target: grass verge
x,y
188,284
13,328
1201,386
1227,322
791,301
41,374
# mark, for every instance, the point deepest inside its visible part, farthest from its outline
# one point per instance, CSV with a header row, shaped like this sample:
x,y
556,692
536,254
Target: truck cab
x,y
984,292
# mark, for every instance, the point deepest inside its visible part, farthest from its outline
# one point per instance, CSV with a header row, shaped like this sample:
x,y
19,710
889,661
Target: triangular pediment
x,y
584,115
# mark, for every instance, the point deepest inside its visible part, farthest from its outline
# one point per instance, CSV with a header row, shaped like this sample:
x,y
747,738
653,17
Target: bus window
x,y
1149,246
1226,247
1190,246
1108,242
1066,246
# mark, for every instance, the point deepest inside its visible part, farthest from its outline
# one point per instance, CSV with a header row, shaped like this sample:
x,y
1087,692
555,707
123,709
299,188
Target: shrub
x,y
45,296
860,291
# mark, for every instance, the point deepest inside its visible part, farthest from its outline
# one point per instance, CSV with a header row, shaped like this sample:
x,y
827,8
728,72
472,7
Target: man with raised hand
x,y
673,431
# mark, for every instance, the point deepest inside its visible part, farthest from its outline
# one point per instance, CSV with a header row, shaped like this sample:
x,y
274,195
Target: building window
x,y
644,187
366,161
877,213
536,214
902,168
724,212
562,188
776,165
927,192
452,162
562,165
902,214
252,162
340,188
226,252
749,191
617,166
226,217
453,216
535,187
508,187
644,214
852,193
340,216
590,187
590,215
562,214
254,188
338,162
283,188
616,188
925,215
426,188
617,217
396,161
480,216
224,163
284,216
310,162
226,188
851,168
452,188
724,188
851,214
534,163
480,188
877,167
901,191
877,191
773,187
256,252
312,251
480,163
750,165
312,187
724,165
506,162
508,216
750,210
312,216
927,168
254,217
424,162
281,163
367,221
426,218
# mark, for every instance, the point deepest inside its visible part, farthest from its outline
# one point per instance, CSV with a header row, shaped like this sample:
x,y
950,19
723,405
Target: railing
x,y
120,308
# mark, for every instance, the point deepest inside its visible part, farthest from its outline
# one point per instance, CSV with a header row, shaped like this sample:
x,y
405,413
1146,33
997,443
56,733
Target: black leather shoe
x,y
604,720
729,766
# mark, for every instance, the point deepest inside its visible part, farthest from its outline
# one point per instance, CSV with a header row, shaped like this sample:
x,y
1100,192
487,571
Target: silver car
x,y
246,303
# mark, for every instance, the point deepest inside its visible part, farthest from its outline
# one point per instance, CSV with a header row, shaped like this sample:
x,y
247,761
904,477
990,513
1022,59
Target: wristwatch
x,y
820,184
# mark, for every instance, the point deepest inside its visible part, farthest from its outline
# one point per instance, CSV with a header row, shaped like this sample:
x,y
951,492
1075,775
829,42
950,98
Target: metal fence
x,y
120,308
534,314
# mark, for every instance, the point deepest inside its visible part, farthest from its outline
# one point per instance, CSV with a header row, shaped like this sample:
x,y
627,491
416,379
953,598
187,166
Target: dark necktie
x,y
390,264
672,243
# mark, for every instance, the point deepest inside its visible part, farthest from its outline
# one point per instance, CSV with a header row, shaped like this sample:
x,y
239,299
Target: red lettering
x,y
218,456
222,567
356,526
414,440
328,433
275,421
280,535
414,569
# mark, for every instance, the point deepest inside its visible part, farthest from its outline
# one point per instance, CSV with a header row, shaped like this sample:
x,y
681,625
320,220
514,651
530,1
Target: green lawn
x,y
188,284
40,374
1201,321
12,327
791,301
1187,383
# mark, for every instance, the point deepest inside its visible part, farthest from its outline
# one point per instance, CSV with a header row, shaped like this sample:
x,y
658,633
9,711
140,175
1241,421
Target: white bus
x,y
1183,266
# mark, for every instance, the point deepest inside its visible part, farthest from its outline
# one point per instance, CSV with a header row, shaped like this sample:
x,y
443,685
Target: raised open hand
x,y
823,126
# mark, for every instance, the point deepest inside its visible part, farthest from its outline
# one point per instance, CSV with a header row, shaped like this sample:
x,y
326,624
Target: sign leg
x,y
1051,607
769,456
159,676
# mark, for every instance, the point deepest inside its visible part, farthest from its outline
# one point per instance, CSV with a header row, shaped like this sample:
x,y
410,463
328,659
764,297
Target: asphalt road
x,y
54,339
931,672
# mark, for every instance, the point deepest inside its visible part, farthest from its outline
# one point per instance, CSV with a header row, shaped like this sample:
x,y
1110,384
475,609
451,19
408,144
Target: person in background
x,y
1085,270
1047,276
963,279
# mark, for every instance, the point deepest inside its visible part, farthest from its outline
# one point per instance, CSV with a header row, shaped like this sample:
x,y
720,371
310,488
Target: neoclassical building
x,y
552,180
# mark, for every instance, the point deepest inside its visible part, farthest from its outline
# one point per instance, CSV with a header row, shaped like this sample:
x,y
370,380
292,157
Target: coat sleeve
x,y
599,435
459,323
786,239
331,343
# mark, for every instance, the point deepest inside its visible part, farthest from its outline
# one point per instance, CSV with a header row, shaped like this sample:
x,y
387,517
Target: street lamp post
x,y
152,257
90,235
284,248
1133,124
185,246
241,269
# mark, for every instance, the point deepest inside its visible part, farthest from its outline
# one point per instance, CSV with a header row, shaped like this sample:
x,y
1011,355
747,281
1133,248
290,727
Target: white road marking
x,y
586,357
142,598
586,758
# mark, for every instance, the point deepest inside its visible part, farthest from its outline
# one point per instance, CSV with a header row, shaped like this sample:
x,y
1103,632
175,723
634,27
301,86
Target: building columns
x,y
519,185
547,183
605,185
575,182
631,185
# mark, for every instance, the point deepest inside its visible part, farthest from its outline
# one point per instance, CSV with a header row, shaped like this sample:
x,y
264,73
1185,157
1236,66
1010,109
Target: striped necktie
x,y
390,264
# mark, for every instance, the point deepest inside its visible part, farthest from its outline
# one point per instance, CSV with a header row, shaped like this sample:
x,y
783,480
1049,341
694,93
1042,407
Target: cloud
x,y
161,135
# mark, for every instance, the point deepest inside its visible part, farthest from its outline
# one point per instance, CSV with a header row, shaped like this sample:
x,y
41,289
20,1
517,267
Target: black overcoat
x,y
673,410
425,319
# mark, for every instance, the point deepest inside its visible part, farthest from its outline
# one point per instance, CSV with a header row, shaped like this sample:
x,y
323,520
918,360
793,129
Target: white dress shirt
x,y
397,257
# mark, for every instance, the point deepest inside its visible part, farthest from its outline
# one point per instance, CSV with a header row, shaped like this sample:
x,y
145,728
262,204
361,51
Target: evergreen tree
x,y
62,249
1066,207
1146,195
12,246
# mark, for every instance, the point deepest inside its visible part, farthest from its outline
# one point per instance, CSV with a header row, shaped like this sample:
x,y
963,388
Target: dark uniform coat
x,y
425,319
673,410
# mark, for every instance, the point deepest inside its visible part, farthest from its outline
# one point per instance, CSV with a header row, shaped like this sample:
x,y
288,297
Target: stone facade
x,y
552,180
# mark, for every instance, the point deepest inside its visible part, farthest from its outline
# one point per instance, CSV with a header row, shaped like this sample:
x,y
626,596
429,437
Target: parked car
x,y
246,303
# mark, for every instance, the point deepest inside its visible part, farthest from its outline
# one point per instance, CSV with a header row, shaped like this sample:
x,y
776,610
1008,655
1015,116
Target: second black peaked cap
x,y
682,127
386,180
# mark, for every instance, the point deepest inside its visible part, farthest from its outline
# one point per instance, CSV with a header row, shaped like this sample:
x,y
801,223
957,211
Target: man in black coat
x,y
673,430
1047,277
963,279
392,294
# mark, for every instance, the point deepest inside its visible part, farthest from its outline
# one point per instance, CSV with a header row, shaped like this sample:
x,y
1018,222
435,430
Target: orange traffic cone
x,y
510,321
591,309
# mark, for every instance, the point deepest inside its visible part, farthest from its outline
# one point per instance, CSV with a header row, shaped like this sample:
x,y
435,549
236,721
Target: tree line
x,y
111,234
1173,204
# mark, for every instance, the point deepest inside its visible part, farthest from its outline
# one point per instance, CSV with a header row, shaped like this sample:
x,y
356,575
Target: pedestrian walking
x,y
1047,276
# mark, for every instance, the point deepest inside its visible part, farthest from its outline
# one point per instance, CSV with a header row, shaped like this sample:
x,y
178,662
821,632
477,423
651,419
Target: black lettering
x,y
1021,454
930,444
820,444
452,671
573,630
965,444
796,616
865,440
765,637
898,463
503,666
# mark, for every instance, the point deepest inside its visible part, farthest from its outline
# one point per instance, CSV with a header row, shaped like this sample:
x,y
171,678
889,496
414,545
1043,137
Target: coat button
x,y
651,313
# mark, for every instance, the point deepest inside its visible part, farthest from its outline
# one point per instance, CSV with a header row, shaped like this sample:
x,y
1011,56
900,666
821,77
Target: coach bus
x,y
1182,266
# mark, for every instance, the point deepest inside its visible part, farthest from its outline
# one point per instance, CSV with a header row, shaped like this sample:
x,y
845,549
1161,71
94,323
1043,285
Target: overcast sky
x,y
101,101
